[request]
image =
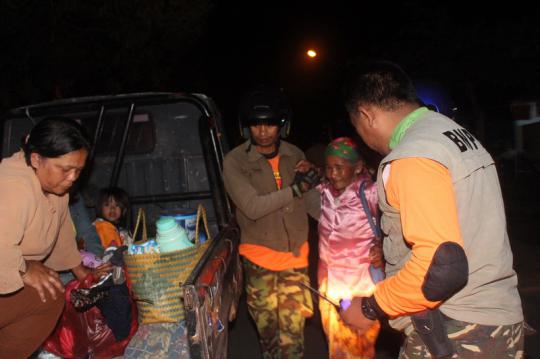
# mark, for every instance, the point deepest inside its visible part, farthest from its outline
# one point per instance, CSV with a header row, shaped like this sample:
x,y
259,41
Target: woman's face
x,y
340,172
57,175
111,210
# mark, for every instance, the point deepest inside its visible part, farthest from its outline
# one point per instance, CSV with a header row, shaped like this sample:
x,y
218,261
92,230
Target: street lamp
x,y
311,53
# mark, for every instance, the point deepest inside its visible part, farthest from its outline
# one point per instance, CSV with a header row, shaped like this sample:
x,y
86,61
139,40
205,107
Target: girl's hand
x,y
102,270
42,279
376,256
81,272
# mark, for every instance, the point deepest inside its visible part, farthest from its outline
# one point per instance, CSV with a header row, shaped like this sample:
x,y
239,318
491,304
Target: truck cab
x,y
166,150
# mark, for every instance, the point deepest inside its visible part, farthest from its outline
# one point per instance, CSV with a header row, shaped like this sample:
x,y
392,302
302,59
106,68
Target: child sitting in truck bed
x,y
112,212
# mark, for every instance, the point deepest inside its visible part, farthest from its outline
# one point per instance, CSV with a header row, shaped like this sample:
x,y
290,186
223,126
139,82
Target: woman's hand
x,y
42,279
307,176
81,271
102,270
303,166
376,256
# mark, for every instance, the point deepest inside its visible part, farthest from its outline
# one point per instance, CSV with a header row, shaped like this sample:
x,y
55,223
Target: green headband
x,y
343,147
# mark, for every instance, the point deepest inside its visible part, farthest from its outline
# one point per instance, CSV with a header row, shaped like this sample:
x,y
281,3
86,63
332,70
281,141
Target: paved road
x,y
522,198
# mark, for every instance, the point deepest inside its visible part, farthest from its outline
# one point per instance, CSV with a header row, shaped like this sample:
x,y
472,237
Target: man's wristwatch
x,y
371,309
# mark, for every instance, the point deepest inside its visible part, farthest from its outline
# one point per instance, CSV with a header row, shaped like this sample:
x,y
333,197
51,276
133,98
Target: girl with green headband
x,y
345,246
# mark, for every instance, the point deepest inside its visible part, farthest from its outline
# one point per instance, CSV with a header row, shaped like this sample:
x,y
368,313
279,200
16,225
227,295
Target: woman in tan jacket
x,y
37,236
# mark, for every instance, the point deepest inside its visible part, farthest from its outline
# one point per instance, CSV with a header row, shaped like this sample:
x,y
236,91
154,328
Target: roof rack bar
x,y
170,197
97,134
122,150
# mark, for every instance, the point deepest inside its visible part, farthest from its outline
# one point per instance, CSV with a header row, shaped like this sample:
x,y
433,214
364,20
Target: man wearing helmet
x,y
272,200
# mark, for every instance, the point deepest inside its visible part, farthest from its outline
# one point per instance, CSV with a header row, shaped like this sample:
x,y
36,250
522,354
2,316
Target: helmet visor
x,y
264,120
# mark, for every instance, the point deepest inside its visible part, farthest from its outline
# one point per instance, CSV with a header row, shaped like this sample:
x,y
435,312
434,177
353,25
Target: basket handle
x,y
141,217
201,212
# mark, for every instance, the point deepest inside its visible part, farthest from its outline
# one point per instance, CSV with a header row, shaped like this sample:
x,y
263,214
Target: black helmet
x,y
264,106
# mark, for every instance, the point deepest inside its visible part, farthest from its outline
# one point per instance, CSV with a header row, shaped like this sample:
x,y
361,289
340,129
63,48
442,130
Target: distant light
x,y
311,53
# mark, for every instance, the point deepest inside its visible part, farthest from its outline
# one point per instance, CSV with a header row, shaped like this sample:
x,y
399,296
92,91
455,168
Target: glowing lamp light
x,y
364,288
311,53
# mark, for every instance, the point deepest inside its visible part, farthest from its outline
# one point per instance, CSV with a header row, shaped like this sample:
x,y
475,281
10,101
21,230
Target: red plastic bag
x,y
79,334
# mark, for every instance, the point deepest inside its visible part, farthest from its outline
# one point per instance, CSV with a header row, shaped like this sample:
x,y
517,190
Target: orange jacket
x,y
108,233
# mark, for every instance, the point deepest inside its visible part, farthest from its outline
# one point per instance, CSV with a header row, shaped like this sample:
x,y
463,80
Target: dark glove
x,y
304,181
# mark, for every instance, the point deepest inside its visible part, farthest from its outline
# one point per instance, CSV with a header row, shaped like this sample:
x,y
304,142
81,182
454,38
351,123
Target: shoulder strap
x,y
374,227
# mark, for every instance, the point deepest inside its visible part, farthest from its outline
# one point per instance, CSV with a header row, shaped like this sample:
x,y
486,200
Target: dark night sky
x,y
484,59
433,40
430,40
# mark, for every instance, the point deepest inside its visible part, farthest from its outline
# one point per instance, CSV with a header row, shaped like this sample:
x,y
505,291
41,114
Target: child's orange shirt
x,y
108,233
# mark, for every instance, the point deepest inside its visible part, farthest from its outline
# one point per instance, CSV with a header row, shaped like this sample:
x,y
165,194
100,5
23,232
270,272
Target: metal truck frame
x,y
175,170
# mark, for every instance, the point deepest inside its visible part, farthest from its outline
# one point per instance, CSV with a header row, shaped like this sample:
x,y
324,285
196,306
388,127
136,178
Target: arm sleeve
x,y
65,254
245,196
312,199
84,228
422,190
15,207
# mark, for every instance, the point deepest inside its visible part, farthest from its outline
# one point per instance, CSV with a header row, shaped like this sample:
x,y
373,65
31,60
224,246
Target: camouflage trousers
x,y
472,341
279,306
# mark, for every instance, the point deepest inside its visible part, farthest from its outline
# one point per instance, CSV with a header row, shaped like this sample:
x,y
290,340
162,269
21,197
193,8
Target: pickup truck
x,y
166,150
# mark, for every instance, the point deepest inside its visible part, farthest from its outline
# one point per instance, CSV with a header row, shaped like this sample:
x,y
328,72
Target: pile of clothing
x,y
100,317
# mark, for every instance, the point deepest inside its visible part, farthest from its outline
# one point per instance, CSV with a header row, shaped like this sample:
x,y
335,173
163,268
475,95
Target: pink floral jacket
x,y
345,238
